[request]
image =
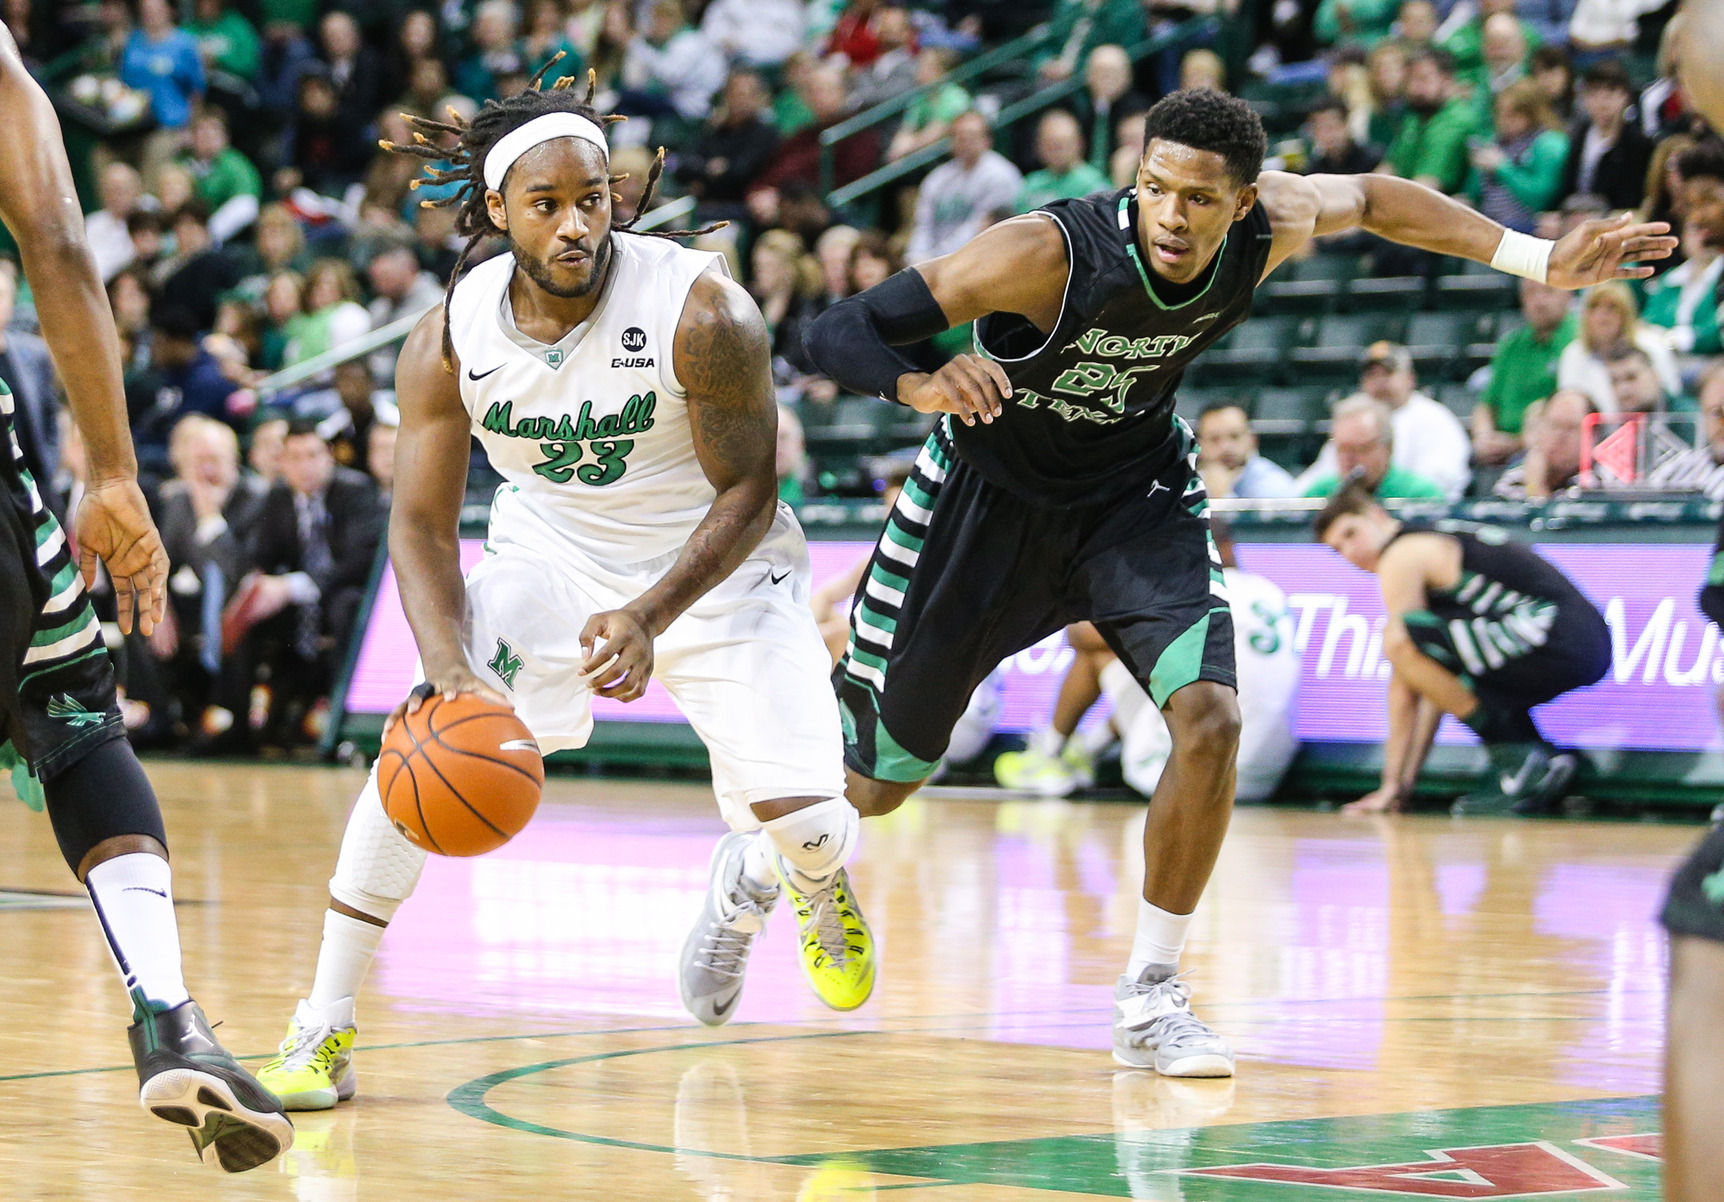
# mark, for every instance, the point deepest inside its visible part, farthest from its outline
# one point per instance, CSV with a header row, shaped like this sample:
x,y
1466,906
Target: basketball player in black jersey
x,y
1060,487
1478,627
60,729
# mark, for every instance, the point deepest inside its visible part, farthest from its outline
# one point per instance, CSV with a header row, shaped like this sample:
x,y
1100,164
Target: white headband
x,y
518,142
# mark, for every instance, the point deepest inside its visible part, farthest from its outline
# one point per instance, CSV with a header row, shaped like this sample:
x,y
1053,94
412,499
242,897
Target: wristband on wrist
x,y
1523,255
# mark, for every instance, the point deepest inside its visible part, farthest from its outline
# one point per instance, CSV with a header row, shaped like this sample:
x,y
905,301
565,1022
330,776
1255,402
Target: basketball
x,y
461,777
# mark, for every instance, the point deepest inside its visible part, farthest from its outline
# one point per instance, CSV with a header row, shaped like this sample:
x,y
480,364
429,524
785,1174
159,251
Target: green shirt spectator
x,y
227,40
1046,186
1396,483
1431,143
1355,22
930,115
1523,370
1521,179
298,13
1079,26
222,177
1684,301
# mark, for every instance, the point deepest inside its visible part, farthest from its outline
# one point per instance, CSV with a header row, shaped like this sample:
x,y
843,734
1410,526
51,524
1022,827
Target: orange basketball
x,y
460,777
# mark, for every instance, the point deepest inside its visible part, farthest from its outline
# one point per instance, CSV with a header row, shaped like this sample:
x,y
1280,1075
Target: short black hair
x,y
299,427
1607,73
1440,58
1216,406
175,321
1353,497
1703,160
1208,120
1330,104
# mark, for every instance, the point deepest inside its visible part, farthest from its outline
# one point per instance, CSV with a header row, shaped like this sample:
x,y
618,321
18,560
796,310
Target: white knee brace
x,y
377,867
816,840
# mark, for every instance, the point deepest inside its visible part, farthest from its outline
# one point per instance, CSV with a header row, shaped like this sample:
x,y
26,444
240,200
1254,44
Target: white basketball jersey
x,y
592,433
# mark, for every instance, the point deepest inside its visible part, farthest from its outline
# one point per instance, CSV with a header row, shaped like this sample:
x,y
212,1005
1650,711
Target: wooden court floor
x,y
1424,1008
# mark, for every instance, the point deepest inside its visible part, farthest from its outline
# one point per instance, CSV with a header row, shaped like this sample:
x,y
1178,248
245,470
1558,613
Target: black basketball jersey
x,y
1091,411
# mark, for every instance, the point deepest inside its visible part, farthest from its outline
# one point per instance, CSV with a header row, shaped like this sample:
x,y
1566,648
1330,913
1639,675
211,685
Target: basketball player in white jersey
x,y
621,384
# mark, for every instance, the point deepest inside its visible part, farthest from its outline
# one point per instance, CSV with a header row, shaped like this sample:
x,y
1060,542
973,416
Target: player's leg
x,y
1144,744
1057,761
748,669
963,575
1694,1037
63,721
1158,597
525,640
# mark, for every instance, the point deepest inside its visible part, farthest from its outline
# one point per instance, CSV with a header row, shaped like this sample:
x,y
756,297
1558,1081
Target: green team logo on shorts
x,y
63,709
506,664
578,446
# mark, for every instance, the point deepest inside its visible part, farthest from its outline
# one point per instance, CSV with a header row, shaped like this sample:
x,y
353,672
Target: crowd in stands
x,y
247,222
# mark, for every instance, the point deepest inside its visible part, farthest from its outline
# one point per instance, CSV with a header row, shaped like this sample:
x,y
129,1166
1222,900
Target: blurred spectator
x,y
174,188
1429,441
1684,300
798,157
1553,71
418,39
387,198
1228,460
198,271
964,195
792,457
1634,385
1608,318
833,249
1333,150
1522,371
147,230
163,60
633,163
183,378
494,50
1362,22
546,36
1469,41
1607,153
325,152
1080,27
1701,168
129,298
263,451
283,316
761,33
120,190
1415,25
1663,189
1702,469
1064,173
229,44
872,261
855,39
1519,175
345,413
670,69
893,70
1107,96
28,371
399,288
224,179
1128,150
1362,441
279,243
204,512
334,315
311,549
929,116
736,144
786,285
1596,25
1504,61
1551,466
1202,68
1386,69
380,453
1430,144
354,69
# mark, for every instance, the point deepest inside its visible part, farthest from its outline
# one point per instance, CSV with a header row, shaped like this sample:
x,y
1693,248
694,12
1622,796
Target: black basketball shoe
x,y
188,1079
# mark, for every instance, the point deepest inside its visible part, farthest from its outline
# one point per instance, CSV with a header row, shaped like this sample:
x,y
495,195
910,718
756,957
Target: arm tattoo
x,y
726,366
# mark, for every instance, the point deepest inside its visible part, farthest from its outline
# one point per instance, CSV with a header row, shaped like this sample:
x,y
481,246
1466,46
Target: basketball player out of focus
x,y
621,384
1694,912
60,729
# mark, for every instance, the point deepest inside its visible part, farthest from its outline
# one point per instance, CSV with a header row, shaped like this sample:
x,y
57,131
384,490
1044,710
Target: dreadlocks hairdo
x,y
474,140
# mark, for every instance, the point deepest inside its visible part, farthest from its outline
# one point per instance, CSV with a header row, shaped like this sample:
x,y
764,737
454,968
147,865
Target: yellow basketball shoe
x,y
837,946
314,1068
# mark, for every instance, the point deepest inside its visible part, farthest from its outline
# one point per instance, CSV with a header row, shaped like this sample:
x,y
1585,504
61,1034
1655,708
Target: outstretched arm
x,y
724,358
1303,207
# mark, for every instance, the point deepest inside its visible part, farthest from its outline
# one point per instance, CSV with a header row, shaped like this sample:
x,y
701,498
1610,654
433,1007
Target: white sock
x,y
344,958
1047,741
1159,940
134,896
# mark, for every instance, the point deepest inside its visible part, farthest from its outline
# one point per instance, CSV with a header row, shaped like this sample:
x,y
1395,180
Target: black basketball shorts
x,y
966,574
1695,905
1574,654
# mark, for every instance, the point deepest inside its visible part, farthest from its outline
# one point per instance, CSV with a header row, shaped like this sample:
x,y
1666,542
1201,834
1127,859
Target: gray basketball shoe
x,y
1153,1027
715,954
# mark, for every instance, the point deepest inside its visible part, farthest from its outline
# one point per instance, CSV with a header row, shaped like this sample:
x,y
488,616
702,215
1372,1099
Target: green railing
x,y
398,329
1008,116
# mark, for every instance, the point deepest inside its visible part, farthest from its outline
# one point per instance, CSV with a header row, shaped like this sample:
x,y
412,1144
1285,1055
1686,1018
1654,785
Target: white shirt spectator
x,y
687,66
1607,22
957,202
1691,471
761,32
1580,369
1430,441
109,243
1267,659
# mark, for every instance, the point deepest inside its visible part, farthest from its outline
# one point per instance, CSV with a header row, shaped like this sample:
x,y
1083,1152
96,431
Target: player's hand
x,y
619,655
1608,248
114,525
450,683
970,387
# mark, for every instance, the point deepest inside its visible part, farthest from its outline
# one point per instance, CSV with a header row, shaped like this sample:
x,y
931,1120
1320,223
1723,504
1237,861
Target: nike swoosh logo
x,y
778,578
720,1011
1197,321
518,745
143,889
473,375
